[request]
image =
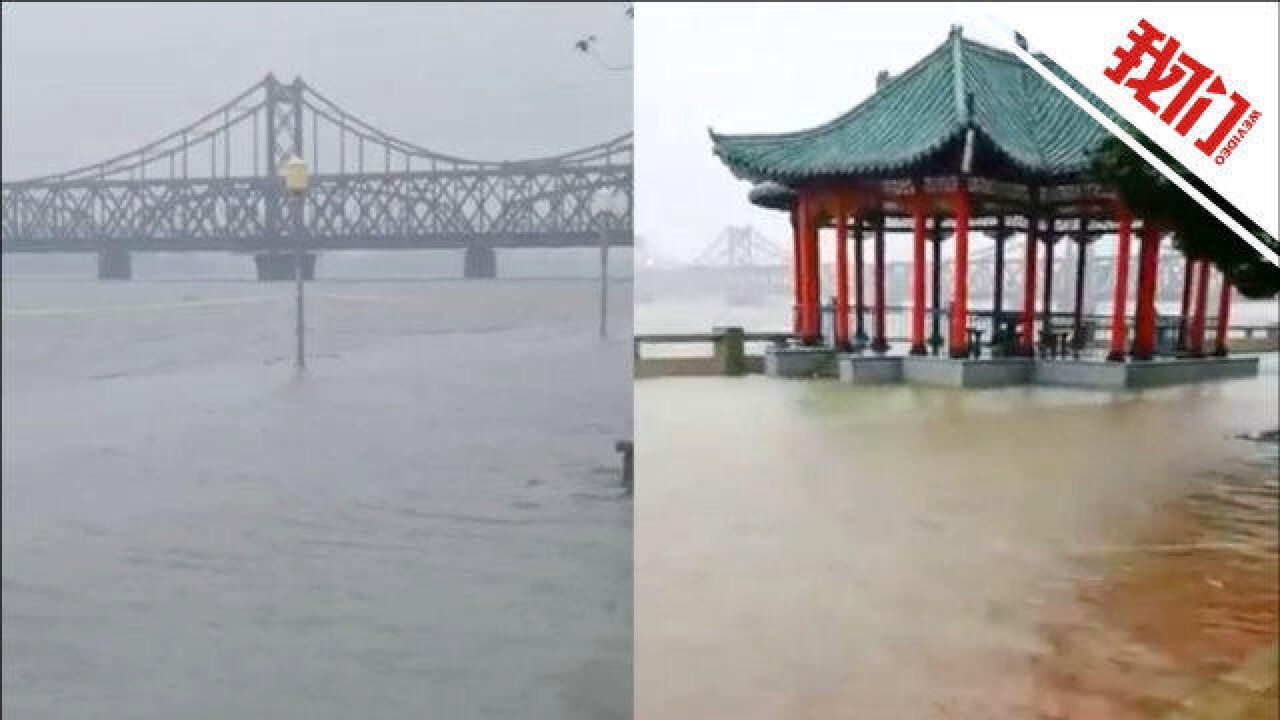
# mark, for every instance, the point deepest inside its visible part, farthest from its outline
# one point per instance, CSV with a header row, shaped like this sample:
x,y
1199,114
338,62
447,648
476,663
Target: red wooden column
x,y
959,341
1224,319
797,308
804,270
879,342
918,270
841,216
859,280
1184,313
815,272
1144,332
1029,288
1121,273
1046,300
1195,341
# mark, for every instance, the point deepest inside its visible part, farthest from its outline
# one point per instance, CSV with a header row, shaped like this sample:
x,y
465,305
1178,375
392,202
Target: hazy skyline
x,y
747,68
84,82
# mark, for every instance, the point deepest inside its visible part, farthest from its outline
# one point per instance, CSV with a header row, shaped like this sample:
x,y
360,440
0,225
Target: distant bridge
x,y
213,186
746,262
741,246
740,260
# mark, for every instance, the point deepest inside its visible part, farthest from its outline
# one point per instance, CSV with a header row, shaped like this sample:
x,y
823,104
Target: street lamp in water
x,y
295,177
609,206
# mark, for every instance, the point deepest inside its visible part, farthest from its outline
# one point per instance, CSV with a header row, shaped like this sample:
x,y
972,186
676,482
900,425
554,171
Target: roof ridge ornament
x,y
966,160
957,69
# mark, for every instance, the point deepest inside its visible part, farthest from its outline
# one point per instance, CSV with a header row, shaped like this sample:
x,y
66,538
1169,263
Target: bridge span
x,y
213,186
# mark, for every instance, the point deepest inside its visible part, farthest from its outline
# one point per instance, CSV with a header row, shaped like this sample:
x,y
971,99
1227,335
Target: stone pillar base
x,y
480,262
279,267
861,370
730,352
799,362
115,265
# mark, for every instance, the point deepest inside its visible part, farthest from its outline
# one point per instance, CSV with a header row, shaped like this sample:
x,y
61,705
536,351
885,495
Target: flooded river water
x,y
807,549
428,524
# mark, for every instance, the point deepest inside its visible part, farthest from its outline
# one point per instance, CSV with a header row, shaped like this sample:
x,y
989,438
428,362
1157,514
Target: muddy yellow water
x,y
806,549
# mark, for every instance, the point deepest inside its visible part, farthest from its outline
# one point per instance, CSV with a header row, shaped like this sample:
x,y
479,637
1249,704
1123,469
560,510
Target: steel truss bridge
x,y
214,186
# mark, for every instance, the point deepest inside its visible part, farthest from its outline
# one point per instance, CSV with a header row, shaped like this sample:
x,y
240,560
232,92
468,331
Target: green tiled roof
x,y
1028,124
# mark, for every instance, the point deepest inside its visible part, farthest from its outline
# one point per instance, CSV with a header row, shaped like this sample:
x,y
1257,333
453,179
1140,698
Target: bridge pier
x,y
279,267
115,265
480,262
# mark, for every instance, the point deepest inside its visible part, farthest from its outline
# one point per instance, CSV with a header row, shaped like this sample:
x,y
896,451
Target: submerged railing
x,y
731,352
734,351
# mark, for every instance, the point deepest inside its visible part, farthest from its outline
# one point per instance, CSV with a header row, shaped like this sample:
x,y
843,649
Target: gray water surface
x,y
428,524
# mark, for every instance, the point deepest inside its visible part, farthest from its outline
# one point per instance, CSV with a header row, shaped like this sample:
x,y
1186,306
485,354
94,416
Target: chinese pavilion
x,y
968,139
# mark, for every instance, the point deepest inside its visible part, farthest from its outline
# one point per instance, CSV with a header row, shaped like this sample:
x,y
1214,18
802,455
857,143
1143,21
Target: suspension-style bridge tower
x,y
746,262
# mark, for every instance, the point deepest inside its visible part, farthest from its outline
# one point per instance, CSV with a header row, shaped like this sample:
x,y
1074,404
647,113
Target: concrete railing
x,y
730,347
1240,338
729,352
1251,338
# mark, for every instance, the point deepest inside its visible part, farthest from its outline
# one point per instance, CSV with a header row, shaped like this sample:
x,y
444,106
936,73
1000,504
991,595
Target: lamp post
x,y
609,206
295,177
604,282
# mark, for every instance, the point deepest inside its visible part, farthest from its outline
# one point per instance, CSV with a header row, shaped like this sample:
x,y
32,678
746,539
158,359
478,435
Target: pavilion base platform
x,y
862,369
1142,374
800,362
969,373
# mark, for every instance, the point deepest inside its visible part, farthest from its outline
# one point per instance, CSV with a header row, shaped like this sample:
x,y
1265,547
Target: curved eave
x,y
918,162
913,161
772,196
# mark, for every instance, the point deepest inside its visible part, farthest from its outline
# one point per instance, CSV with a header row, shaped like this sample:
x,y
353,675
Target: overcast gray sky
x,y
753,68
489,81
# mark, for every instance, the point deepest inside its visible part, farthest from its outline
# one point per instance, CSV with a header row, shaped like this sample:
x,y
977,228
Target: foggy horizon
x,y
137,72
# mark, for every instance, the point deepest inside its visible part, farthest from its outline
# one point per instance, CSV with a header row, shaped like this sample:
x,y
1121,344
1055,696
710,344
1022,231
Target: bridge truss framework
x,y
213,186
